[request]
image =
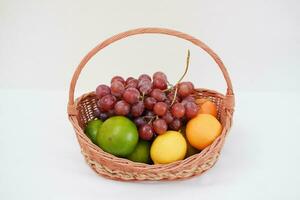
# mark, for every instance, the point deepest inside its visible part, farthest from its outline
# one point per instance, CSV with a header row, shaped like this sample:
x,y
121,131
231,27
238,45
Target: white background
x,y
41,42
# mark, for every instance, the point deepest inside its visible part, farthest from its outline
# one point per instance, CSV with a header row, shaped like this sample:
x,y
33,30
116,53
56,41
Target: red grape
x,y
150,102
144,82
188,99
133,83
158,94
103,116
144,77
160,75
102,90
185,89
131,95
168,117
160,108
117,88
160,126
97,112
191,85
107,102
175,125
118,78
137,109
110,113
139,121
191,110
122,108
146,132
178,110
170,96
160,83
146,88
168,102
149,114
128,79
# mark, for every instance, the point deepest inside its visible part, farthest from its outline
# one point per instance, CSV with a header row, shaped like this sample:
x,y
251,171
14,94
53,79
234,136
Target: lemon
x,y
167,148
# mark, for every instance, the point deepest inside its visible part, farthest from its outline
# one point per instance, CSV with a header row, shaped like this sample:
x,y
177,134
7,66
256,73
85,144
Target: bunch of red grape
x,y
149,102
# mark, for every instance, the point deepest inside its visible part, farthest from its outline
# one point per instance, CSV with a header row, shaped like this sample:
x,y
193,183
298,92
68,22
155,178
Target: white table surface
x,y
40,156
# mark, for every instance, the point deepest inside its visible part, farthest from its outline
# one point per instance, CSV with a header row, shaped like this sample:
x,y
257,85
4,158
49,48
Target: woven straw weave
x,y
83,109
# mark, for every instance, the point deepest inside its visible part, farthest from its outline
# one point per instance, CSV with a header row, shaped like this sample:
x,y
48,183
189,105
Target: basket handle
x,y
229,100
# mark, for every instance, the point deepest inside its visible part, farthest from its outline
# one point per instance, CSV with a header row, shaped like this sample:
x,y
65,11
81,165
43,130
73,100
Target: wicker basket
x,y
82,110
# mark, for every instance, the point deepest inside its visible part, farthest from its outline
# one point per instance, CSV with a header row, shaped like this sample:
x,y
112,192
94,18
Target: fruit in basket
x,y
168,117
175,124
185,89
160,108
167,148
160,126
191,110
92,128
102,90
117,88
131,95
107,102
137,109
158,94
208,107
118,135
122,108
139,121
178,110
160,83
141,152
146,132
118,78
202,130
151,104
190,149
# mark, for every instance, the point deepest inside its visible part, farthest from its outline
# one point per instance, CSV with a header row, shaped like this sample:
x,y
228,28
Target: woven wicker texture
x,y
82,110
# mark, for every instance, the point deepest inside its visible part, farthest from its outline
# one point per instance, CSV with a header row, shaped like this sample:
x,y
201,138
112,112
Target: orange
x,y
208,107
202,130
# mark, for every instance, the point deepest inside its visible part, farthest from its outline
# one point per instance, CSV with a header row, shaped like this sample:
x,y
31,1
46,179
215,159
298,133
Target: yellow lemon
x,y
202,130
167,148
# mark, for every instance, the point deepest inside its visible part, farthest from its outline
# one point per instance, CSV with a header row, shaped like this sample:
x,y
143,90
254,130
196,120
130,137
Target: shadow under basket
x,y
84,108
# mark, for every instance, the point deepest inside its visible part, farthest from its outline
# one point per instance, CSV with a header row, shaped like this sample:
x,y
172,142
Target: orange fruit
x,y
202,130
208,107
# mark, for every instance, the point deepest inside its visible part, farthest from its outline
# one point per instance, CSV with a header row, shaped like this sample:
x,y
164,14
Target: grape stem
x,y
151,119
186,66
183,75
143,96
170,87
175,94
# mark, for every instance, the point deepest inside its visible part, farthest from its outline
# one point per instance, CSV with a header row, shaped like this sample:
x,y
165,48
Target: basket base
x,y
118,175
